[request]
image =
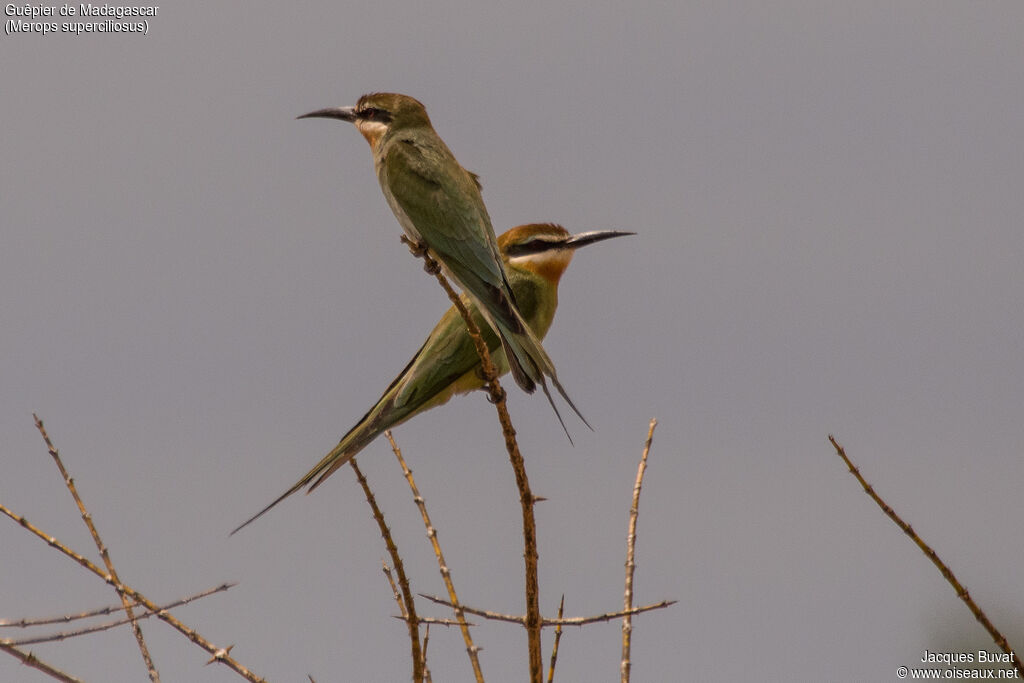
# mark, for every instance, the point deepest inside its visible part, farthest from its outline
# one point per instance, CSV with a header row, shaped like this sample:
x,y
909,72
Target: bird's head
x,y
377,113
545,248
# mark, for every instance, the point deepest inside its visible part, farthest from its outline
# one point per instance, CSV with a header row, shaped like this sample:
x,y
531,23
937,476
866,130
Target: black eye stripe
x,y
534,246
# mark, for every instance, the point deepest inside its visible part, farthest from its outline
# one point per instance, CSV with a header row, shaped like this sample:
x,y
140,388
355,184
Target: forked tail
x,y
530,365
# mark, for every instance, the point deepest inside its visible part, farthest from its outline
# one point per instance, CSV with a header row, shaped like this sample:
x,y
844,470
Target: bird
x,y
439,205
535,256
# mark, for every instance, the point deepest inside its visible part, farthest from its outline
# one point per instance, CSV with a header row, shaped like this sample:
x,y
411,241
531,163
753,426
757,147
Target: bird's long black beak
x,y
343,113
585,238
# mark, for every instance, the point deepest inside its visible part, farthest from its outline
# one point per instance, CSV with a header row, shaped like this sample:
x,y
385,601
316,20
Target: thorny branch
x,y
946,572
526,497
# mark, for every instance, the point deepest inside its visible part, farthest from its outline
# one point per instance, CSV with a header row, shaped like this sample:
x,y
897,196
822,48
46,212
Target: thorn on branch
x,y
220,654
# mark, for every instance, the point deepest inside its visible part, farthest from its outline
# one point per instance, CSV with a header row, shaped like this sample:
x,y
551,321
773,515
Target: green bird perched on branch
x,y
439,206
535,256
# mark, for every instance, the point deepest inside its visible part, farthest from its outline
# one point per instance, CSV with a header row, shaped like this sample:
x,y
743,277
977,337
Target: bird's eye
x,y
369,113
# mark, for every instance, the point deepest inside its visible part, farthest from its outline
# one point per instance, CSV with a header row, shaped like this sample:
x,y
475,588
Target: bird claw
x,y
416,247
421,250
496,395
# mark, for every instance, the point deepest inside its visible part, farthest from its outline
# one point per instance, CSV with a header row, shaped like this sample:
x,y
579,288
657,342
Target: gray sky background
x,y
200,294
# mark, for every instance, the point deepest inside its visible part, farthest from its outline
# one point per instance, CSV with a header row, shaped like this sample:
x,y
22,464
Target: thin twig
x,y
609,616
627,599
946,572
394,589
437,621
219,654
558,637
409,608
104,553
64,635
471,649
28,622
567,621
29,659
526,498
426,641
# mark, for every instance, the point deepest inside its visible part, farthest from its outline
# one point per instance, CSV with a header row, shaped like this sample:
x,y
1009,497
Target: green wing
x,y
459,232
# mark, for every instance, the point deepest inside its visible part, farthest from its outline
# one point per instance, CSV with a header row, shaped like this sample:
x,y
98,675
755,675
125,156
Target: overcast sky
x,y
200,294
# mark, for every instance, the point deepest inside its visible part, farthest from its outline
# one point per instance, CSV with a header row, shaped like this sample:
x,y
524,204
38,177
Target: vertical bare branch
x,y
409,612
946,572
530,555
471,648
104,553
558,638
426,641
627,600
526,498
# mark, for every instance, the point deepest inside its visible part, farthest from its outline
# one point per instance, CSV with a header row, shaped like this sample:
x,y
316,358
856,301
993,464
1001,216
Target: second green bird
x,y
447,364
